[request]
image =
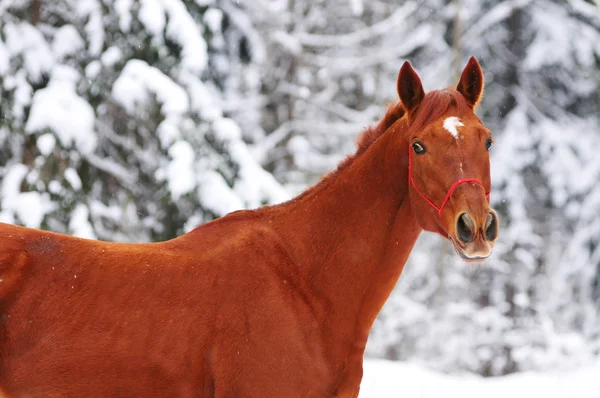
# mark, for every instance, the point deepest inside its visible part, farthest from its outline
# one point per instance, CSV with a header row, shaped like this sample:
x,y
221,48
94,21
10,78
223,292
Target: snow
x,y
152,15
180,27
288,41
92,70
25,39
573,45
213,18
451,123
139,79
242,21
73,178
495,15
216,195
357,7
183,30
254,185
394,379
136,85
127,176
29,207
79,224
180,171
46,143
22,90
55,187
12,180
67,42
92,11
202,99
123,8
111,56
227,130
58,108
4,58
298,145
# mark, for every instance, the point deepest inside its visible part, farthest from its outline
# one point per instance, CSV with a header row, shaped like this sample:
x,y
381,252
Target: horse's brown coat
x,y
276,302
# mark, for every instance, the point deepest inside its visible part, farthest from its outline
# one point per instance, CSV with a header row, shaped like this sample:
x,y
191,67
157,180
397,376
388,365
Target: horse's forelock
x,y
435,104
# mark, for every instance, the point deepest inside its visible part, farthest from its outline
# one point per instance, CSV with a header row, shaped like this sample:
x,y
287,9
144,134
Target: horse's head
x,y
449,165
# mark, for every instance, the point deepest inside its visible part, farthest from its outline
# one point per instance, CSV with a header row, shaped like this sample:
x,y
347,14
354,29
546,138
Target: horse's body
x,y
164,319
275,302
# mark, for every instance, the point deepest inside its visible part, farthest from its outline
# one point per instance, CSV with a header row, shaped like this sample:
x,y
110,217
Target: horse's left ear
x,y
471,83
410,88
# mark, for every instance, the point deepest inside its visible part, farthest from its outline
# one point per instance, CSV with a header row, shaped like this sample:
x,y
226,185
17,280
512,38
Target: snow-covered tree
x,y
115,122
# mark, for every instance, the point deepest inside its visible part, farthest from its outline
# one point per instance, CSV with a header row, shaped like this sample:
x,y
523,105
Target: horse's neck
x,y
352,235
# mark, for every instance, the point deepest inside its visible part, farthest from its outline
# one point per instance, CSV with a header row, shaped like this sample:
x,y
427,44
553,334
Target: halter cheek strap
x,y
448,194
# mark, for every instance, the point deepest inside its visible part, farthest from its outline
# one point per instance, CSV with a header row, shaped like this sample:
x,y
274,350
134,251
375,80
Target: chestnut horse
x,y
274,302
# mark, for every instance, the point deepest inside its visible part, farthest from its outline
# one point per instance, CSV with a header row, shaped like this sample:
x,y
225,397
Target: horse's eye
x,y
488,144
419,148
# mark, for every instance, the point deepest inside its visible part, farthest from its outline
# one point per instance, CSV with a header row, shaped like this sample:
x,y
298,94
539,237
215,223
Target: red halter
x,y
452,188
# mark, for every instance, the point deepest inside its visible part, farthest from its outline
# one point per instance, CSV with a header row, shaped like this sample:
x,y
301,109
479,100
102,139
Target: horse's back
x,y
81,317
27,255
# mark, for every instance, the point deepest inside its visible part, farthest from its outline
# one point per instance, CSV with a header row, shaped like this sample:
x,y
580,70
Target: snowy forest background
x,y
137,121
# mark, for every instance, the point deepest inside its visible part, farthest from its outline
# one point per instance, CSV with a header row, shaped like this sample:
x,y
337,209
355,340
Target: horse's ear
x,y
471,83
410,89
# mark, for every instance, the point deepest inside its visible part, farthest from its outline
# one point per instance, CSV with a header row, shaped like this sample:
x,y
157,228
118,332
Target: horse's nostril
x,y
464,228
491,226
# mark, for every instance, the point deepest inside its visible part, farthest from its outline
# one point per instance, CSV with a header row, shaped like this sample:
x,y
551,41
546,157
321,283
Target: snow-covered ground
x,y
398,379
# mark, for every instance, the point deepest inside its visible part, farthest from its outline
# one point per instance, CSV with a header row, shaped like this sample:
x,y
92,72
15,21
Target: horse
x,y
271,302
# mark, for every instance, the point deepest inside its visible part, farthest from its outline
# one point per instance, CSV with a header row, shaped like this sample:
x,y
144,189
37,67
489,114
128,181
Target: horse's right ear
x,y
471,83
410,89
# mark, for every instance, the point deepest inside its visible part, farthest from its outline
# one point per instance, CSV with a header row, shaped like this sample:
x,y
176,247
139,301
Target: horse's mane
x,y
393,113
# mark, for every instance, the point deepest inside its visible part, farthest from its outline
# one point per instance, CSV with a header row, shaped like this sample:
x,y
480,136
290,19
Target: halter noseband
x,y
452,188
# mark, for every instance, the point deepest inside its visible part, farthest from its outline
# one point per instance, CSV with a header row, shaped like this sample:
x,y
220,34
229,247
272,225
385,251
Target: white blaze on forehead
x,y
451,123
